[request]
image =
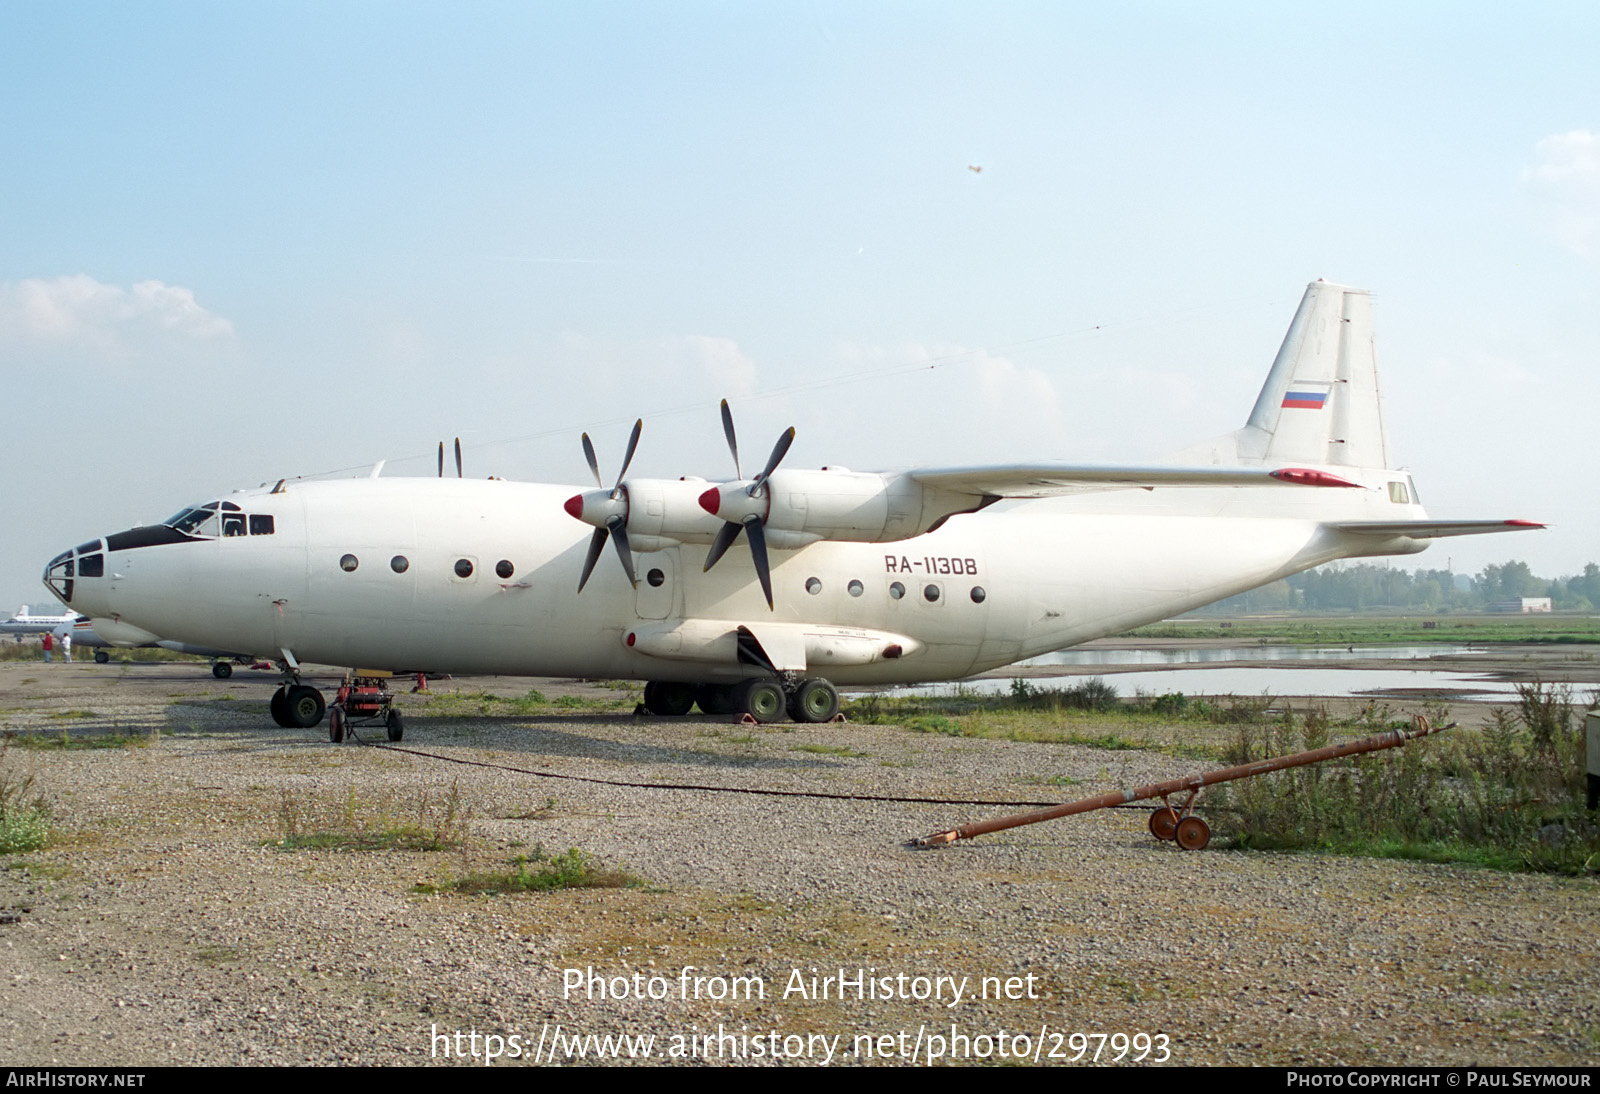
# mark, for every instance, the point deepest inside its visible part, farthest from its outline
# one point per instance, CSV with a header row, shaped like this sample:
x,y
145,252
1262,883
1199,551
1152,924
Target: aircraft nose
x,y
59,576
65,574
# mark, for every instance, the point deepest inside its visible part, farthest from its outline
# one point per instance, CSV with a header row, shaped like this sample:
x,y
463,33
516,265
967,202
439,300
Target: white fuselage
x,y
1052,573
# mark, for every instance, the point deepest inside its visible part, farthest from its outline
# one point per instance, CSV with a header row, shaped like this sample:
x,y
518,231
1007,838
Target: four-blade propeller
x,y
606,509
745,506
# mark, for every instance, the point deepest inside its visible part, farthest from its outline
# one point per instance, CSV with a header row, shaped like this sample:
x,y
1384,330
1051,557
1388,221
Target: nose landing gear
x,y
297,706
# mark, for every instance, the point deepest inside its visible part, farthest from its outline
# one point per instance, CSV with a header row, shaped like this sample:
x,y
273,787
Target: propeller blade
x,y
758,551
594,464
458,456
779,451
719,547
619,531
633,443
597,543
733,443
441,459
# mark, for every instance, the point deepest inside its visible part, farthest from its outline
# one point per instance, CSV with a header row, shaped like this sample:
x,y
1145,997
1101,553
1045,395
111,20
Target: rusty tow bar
x,y
1179,823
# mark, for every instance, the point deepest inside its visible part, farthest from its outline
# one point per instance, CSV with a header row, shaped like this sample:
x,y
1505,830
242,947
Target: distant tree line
x,y
1366,586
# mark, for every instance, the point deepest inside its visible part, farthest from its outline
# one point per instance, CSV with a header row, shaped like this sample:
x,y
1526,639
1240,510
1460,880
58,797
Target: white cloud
x,y
82,319
1564,185
721,362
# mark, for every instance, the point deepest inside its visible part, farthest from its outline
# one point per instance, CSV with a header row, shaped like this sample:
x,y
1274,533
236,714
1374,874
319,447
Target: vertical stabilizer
x,y
1320,403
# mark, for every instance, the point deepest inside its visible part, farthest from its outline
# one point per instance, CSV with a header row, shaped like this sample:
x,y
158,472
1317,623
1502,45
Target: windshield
x,y
195,522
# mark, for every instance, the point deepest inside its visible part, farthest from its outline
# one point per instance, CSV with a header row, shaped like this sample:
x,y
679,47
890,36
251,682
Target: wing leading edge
x,y
1046,480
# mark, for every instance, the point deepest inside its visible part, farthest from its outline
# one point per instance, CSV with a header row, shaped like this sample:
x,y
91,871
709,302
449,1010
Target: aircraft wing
x,y
1046,480
1431,529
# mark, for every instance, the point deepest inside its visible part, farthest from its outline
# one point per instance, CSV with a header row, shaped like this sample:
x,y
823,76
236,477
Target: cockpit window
x,y
195,522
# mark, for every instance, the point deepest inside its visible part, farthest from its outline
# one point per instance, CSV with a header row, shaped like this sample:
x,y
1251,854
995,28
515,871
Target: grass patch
x,y
537,872
433,823
65,742
1087,712
24,813
217,955
828,750
483,705
1510,797
1374,630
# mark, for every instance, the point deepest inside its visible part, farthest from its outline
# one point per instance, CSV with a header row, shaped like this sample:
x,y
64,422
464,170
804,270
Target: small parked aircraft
x,y
839,576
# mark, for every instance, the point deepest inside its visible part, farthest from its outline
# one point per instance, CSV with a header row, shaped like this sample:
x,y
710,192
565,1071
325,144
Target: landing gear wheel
x,y
336,724
761,699
221,670
668,698
280,707
394,726
304,706
1192,834
1163,822
816,700
101,657
715,699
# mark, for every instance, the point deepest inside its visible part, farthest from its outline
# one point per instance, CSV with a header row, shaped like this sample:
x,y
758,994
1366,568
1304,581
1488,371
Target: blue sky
x,y
239,242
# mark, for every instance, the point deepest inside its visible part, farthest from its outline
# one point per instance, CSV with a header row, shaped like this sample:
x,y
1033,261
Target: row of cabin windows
x,y
400,564
656,578
931,592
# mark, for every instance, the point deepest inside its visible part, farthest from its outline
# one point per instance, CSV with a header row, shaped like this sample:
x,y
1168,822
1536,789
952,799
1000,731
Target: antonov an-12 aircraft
x,y
759,595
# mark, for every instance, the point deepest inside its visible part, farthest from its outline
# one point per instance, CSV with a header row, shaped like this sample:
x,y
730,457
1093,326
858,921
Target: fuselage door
x,y
656,570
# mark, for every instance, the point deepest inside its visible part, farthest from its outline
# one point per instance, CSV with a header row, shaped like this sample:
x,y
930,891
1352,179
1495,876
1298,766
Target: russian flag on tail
x,y
1305,400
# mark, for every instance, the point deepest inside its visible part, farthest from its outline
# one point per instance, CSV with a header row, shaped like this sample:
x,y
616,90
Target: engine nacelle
x,y
803,507
799,508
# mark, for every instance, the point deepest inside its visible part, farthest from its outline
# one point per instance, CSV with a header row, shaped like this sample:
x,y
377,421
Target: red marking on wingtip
x,y
711,500
1304,476
574,506
1524,524
632,638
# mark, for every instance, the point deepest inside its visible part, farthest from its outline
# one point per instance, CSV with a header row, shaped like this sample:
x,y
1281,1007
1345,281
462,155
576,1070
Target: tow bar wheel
x,y
1164,822
1192,834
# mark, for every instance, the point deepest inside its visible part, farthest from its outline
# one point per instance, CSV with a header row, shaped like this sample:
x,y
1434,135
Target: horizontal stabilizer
x,y
1432,529
1045,480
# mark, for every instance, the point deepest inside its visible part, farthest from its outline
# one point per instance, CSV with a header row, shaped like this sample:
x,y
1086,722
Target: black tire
x,y
715,699
815,700
221,670
394,725
668,698
101,657
280,707
763,700
304,706
336,724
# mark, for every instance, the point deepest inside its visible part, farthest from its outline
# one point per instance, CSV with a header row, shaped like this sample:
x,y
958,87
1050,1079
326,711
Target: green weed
x,y
24,814
1510,797
537,872
434,823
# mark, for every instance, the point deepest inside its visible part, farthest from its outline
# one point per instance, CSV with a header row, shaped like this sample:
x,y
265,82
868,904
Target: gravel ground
x,y
162,926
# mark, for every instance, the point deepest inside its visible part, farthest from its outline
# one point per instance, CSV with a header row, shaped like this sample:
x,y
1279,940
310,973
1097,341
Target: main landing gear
x,y
807,699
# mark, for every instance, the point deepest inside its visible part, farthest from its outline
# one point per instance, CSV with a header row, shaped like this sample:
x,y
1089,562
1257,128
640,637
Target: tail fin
x,y
1320,404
